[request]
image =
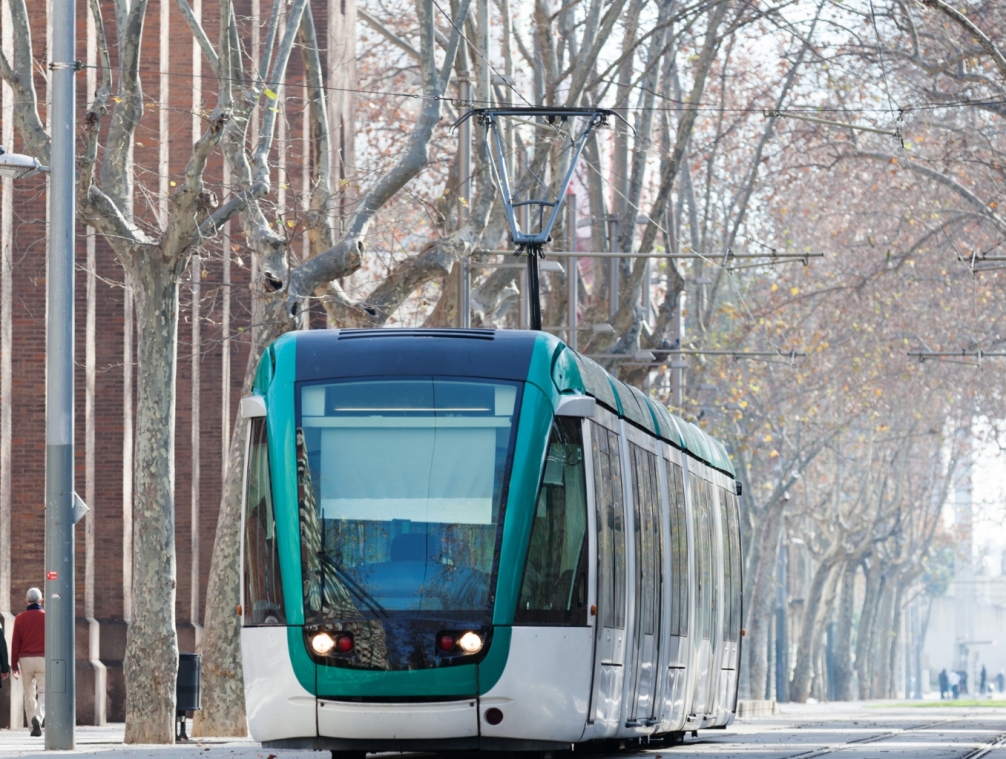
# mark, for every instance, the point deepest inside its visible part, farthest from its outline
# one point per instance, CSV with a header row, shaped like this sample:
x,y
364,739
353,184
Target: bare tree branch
x,y
965,23
199,33
385,32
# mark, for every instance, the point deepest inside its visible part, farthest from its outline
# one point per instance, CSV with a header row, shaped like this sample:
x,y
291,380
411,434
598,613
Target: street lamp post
x,y
60,662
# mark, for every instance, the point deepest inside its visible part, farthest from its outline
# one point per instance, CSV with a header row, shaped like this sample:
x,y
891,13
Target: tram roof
x,y
506,354
629,402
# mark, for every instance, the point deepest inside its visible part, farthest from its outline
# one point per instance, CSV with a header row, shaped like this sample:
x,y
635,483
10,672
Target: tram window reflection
x,y
554,586
679,552
610,526
401,494
728,569
263,598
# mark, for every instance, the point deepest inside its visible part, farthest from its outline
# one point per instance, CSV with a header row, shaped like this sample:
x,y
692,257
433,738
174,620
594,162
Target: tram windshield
x,y
401,486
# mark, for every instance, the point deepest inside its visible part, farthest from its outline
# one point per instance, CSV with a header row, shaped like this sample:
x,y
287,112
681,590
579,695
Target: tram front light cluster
x,y
468,642
323,643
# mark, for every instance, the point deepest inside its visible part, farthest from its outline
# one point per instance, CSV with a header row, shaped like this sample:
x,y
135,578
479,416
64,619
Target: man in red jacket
x,y
28,657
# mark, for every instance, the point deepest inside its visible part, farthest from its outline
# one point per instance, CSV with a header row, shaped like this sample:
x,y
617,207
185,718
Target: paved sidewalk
x,y
875,730
107,742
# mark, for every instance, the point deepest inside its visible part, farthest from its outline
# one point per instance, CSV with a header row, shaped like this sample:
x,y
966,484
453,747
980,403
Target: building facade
x,y
213,348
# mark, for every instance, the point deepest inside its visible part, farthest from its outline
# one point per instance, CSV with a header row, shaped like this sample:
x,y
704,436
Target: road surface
x,y
881,730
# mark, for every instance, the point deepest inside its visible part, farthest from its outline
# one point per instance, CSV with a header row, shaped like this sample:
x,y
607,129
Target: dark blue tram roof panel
x,y
332,353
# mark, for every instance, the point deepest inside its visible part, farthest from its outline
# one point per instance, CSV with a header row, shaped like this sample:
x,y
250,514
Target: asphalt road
x,y
879,730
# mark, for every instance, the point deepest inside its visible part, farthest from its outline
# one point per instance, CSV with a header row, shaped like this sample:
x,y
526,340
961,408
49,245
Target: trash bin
x,y
188,691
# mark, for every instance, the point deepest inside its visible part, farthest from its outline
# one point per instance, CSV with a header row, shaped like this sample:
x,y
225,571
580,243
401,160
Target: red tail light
x,y
445,642
344,644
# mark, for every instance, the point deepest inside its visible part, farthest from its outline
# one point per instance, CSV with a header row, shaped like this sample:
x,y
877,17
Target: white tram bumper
x,y
545,688
277,705
389,722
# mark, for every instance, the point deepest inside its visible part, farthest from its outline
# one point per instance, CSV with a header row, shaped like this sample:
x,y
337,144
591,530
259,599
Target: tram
x,y
479,539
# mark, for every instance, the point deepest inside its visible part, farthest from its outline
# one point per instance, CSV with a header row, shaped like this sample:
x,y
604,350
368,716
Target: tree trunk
x,y
886,634
843,636
896,643
809,640
223,705
864,648
151,662
762,584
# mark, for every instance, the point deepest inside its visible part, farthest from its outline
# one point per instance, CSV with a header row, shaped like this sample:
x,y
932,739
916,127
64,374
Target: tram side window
x,y
263,602
729,633
711,573
679,552
554,588
735,551
610,527
703,558
648,543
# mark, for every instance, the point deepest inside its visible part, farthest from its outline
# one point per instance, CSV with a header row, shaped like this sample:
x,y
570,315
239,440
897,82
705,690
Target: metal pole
x,y
572,270
646,289
483,69
534,292
525,285
59,550
465,200
677,373
613,265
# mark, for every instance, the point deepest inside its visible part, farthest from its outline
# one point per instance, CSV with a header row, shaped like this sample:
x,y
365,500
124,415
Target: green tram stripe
x,y
533,425
553,369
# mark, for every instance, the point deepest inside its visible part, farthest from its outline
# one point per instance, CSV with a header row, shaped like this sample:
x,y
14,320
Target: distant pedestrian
x,y
28,657
983,685
955,684
4,664
964,682
944,684
1001,682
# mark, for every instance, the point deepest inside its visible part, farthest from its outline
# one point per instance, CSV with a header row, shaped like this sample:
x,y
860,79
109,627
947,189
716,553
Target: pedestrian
x,y
4,664
28,658
1001,682
983,685
944,684
964,682
955,684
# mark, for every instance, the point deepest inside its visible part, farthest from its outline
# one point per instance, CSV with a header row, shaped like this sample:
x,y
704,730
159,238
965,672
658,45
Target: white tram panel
x,y
545,688
704,648
714,709
677,664
277,705
412,721
639,451
544,691
608,658
665,678
728,637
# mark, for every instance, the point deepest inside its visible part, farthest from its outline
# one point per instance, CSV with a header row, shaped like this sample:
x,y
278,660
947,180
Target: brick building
x,y
212,354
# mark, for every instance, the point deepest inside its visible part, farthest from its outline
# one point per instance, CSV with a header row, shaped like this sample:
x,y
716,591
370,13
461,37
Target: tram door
x,y
609,645
647,581
705,602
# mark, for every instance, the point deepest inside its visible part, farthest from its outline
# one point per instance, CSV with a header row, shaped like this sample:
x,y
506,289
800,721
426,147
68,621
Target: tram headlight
x,y
470,643
322,643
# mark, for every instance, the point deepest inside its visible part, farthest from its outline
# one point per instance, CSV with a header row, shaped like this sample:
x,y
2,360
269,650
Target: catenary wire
x,y
679,107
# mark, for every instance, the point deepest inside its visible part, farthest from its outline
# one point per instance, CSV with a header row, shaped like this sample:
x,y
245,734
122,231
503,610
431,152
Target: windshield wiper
x,y
354,587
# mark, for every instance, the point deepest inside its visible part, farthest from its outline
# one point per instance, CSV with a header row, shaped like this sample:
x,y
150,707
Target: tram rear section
x,y
468,539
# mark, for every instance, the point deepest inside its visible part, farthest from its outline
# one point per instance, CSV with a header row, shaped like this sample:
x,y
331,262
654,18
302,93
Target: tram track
x,y
976,753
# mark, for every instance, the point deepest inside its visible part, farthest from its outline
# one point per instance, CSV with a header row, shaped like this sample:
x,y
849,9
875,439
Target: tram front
x,y
381,568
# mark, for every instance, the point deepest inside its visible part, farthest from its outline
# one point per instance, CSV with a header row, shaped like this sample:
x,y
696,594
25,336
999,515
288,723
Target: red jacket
x,y
29,634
